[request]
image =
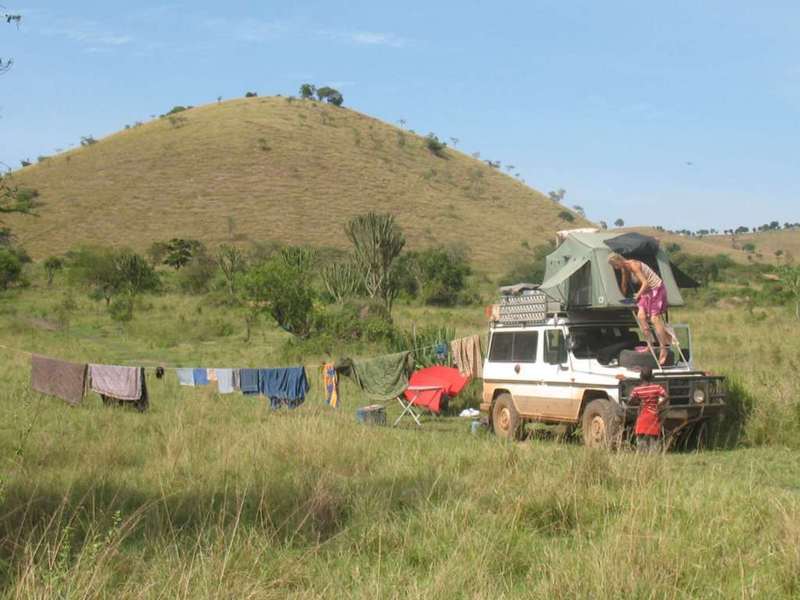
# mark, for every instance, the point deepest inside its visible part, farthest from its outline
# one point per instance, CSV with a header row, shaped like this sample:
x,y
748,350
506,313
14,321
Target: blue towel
x,y
283,386
248,381
185,376
200,377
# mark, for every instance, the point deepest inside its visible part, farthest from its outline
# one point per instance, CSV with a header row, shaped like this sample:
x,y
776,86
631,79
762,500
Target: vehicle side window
x,y
502,345
555,348
525,346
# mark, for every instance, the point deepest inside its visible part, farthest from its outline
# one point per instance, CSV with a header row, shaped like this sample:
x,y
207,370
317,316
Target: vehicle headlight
x,y
699,395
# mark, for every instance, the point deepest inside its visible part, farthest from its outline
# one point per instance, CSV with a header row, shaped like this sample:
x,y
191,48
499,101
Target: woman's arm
x,y
624,281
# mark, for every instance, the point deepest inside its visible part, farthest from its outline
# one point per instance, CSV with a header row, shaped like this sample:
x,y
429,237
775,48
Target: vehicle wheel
x,y
602,428
505,418
699,437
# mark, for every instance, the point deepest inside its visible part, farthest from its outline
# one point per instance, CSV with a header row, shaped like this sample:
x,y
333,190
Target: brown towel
x,y
58,378
122,383
468,356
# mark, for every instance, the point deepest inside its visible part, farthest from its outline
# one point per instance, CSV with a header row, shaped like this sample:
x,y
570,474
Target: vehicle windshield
x,y
603,342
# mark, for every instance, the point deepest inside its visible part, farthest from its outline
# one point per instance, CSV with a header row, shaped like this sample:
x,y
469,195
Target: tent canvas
x,y
578,275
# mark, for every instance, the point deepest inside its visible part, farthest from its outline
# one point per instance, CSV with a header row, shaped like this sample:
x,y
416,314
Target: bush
x,y
284,291
250,95
109,273
10,268
438,276
567,216
196,276
51,266
121,309
357,321
435,145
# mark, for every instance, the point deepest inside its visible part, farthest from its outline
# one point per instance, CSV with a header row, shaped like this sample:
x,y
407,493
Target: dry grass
x,y
217,497
269,169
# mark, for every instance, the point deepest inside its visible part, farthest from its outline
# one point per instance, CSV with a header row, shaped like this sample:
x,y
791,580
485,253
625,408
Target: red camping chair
x,y
430,389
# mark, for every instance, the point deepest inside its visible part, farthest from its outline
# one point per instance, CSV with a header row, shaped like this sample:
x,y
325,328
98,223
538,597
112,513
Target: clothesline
x,y
167,367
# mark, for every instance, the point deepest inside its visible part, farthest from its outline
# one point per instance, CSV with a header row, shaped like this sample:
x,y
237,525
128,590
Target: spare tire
x,y
631,359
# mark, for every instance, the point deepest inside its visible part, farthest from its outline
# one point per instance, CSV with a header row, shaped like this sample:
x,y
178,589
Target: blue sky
x,y
608,100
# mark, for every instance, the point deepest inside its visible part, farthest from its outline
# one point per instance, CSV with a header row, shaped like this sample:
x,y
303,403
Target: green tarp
x,y
381,378
578,275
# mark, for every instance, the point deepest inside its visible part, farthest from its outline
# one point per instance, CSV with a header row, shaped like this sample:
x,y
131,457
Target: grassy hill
x,y
281,170
766,243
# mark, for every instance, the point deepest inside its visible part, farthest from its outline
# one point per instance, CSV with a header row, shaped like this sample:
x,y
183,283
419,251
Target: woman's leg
x,y
663,338
641,316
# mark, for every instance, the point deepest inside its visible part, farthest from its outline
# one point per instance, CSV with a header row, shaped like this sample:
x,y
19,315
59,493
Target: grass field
x,y
267,169
217,497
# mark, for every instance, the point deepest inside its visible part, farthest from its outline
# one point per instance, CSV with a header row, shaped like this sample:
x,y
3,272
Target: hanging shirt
x,y
185,376
330,383
200,377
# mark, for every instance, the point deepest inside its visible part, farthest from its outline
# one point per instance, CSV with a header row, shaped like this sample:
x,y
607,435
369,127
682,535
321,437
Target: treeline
x,y
313,294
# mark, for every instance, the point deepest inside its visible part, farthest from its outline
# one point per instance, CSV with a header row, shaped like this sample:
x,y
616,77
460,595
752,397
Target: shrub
x,y
110,273
749,247
87,140
342,280
437,275
10,268
282,290
567,216
435,145
197,274
250,95
51,266
121,309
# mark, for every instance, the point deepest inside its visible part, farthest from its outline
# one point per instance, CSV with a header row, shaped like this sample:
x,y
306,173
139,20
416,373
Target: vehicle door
x,y
513,357
557,396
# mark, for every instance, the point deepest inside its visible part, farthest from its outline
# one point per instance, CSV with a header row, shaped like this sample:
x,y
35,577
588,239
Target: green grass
x,y
266,169
208,496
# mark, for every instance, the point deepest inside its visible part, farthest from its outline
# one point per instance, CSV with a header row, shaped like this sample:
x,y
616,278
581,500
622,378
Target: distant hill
x,y
277,169
765,244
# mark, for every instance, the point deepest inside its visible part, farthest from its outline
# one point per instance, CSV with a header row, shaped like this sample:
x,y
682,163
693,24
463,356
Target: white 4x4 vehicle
x,y
578,369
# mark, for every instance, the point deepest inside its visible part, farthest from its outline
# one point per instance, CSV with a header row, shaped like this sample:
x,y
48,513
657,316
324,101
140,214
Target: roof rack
x,y
531,306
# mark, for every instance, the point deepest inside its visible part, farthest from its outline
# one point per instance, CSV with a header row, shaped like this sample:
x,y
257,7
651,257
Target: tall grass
x,y
209,496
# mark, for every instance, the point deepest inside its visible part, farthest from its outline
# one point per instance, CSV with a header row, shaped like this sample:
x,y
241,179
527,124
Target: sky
x,y
683,114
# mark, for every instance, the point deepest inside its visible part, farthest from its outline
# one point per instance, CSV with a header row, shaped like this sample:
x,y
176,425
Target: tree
x,y
567,216
179,252
284,291
251,95
454,141
6,63
619,223
51,266
557,195
579,209
377,242
109,273
307,91
603,225
342,280
330,95
231,263
441,274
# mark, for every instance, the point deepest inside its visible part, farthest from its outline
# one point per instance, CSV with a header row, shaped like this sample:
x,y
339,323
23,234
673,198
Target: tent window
x,y
526,346
580,286
502,345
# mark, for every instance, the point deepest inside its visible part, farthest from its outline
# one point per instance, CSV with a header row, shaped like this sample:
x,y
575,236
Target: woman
x,y
651,298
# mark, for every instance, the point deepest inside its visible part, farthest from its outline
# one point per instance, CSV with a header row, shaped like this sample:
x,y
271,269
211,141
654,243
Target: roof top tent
x,y
578,275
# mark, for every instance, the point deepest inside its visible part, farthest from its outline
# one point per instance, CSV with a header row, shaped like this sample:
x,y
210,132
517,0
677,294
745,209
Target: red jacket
x,y
648,422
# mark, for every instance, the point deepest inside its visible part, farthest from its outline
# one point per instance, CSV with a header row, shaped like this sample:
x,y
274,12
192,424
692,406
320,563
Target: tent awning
x,y
564,273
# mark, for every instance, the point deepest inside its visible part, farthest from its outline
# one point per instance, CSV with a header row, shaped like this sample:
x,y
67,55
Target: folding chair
x,y
431,389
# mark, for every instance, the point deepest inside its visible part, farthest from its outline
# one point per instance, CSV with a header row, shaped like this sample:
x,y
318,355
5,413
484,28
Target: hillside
x,y
273,169
766,243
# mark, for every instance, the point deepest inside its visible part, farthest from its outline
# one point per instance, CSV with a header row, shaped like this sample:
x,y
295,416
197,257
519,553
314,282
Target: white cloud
x,y
248,29
366,38
86,32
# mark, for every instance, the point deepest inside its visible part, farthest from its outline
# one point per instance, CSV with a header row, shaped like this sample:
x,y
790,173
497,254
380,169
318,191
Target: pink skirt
x,y
654,302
